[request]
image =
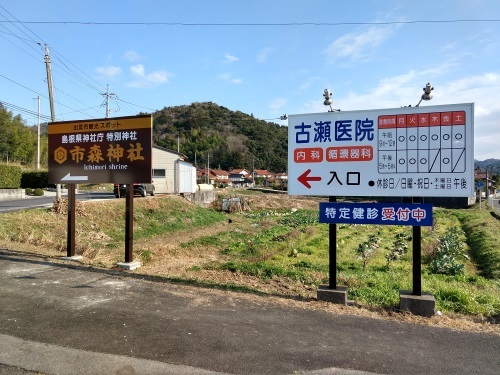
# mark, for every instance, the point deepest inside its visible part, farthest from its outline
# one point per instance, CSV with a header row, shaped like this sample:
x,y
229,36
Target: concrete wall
x,y
203,197
11,193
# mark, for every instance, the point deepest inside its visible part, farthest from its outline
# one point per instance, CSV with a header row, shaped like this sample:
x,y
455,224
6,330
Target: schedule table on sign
x,y
422,143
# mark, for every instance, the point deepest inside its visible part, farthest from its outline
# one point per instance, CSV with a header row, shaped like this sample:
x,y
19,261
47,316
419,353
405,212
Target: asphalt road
x,y
64,318
7,205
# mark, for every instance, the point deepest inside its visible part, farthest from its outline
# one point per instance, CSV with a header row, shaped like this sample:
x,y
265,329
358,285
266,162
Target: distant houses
x,y
240,177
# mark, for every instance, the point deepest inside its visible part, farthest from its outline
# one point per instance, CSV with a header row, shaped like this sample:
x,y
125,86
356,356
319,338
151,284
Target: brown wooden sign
x,y
109,150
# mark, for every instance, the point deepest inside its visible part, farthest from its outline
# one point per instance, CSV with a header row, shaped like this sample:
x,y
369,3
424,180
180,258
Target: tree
x,y
17,141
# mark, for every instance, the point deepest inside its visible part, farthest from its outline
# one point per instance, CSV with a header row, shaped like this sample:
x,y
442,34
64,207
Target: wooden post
x,y
129,223
71,221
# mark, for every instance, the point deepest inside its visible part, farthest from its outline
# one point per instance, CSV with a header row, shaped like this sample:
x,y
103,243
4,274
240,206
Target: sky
x,y
267,58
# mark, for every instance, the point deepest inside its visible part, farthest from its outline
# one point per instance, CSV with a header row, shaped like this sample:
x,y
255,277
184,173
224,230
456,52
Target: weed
x,y
446,255
399,248
365,250
146,256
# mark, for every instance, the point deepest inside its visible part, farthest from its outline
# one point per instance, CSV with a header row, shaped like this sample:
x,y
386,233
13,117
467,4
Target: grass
x,y
273,249
482,230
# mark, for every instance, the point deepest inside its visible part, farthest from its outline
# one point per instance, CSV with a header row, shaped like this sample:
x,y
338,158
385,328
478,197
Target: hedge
x,y
35,179
10,177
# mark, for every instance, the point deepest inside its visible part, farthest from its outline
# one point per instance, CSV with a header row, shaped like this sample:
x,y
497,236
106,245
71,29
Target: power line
x,y
71,73
135,105
24,87
23,110
254,24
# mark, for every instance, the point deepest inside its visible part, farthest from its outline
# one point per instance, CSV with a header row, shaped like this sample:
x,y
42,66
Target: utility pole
x,y
38,141
108,95
51,101
208,168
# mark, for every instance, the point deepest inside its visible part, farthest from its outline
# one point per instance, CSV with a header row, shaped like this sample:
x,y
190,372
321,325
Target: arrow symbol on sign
x,y
304,178
69,177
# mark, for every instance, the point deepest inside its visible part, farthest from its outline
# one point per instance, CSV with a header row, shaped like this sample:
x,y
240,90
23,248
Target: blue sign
x,y
480,184
376,213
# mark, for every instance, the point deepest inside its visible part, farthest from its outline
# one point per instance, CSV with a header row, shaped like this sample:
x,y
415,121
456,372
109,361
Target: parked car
x,y
139,189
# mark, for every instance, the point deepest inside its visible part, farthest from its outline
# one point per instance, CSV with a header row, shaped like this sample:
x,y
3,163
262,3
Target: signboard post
x,y
109,150
400,152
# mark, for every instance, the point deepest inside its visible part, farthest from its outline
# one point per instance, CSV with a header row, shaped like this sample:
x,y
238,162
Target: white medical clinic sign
x,y
408,151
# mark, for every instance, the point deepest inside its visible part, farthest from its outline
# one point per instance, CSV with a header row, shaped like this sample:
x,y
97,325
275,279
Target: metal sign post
x,y
398,152
332,267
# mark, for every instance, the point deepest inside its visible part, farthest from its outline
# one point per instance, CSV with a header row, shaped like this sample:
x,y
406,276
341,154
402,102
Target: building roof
x,y
219,172
239,171
181,155
262,172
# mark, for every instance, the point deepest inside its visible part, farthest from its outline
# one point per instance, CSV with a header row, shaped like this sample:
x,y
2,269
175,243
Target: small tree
x,y
366,249
399,248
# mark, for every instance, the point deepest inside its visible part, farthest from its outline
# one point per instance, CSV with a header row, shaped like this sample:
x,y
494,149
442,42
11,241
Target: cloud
x,y
264,54
308,83
228,77
357,46
406,89
230,58
108,71
137,70
147,80
278,103
132,55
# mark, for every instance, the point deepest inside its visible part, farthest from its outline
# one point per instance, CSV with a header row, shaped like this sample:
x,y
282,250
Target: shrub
x,y
28,191
35,179
399,248
446,255
10,177
366,249
38,192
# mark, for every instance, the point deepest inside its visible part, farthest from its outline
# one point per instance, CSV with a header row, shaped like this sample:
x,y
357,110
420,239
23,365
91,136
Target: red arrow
x,y
304,178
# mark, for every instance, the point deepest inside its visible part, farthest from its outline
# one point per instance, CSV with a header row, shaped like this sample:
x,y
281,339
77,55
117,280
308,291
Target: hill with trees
x,y
18,142
492,165
233,139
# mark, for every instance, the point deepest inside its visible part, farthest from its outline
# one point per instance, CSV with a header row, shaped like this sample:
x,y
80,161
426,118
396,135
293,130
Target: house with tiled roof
x,y
219,176
261,173
242,172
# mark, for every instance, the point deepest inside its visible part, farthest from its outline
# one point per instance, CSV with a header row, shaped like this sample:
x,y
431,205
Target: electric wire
x,y
24,110
280,24
72,73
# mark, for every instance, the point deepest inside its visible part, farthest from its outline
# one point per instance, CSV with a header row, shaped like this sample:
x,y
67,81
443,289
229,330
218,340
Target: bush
x,y
35,179
449,250
28,191
10,177
38,192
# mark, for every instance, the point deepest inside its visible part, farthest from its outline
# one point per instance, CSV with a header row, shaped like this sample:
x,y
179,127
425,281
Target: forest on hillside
x,y
18,142
232,139
491,165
